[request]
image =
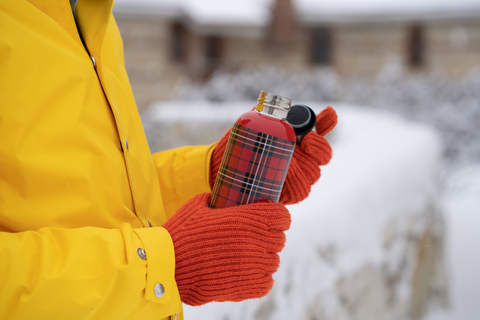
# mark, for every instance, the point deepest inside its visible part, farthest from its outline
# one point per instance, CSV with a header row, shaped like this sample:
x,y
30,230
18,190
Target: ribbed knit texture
x,y
304,171
226,254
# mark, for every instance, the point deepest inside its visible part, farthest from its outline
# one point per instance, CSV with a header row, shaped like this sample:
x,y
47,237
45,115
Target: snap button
x,y
126,144
142,254
93,61
159,290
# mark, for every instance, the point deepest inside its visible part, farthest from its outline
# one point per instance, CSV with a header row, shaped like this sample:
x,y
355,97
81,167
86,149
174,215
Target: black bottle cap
x,y
302,119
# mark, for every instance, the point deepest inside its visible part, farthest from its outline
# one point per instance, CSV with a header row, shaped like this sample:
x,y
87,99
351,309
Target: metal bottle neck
x,y
273,105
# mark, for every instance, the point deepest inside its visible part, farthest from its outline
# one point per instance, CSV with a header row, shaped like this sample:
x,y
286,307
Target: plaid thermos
x,y
258,153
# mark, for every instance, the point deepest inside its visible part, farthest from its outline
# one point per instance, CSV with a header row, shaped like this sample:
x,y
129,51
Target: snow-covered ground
x,y
374,204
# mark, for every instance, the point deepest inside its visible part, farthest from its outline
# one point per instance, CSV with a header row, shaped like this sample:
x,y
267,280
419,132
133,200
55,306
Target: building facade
x,y
166,45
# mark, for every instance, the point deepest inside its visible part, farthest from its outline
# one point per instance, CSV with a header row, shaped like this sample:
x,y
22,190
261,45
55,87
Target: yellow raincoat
x,y
80,192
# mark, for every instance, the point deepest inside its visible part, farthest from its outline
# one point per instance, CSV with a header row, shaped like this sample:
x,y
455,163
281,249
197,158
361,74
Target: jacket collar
x,y
91,17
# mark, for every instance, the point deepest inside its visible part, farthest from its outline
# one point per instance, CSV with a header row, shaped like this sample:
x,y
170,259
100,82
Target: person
x,y
92,225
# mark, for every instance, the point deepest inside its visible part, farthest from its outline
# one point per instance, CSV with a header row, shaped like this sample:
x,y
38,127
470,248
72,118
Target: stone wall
x,y
454,45
365,48
146,41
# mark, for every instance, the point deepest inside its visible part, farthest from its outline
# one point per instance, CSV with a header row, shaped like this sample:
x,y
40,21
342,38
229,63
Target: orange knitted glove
x,y
304,171
226,254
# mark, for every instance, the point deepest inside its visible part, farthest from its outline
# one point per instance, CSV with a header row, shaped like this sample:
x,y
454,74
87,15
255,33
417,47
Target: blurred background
x,y
391,229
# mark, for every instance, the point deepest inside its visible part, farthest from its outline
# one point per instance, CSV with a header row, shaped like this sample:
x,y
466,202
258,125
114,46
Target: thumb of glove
x,y
326,121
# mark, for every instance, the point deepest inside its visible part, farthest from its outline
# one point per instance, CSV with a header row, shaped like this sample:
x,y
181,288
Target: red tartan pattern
x,y
253,168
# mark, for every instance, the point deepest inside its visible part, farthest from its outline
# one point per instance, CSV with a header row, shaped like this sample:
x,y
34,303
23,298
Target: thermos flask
x,y
257,156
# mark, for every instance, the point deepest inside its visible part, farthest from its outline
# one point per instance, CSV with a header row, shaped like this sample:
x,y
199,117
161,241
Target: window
x,y
213,52
179,42
321,45
213,49
416,46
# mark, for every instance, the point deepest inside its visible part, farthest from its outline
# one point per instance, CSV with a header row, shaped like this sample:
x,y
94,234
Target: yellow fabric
x,y
74,199
188,177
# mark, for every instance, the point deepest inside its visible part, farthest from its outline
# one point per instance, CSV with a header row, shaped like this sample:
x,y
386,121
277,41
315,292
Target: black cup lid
x,y
302,119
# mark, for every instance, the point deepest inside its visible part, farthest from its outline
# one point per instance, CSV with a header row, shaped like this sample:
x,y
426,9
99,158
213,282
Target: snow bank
x,y
462,214
383,176
360,225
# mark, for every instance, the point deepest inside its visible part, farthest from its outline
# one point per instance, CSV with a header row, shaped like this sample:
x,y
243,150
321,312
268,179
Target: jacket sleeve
x,y
87,273
183,173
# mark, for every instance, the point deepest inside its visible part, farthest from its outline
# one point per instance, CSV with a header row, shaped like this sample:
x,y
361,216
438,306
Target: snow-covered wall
x,y
366,244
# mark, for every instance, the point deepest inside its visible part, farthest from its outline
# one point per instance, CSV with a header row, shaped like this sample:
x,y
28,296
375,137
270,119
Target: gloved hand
x,y
226,254
304,171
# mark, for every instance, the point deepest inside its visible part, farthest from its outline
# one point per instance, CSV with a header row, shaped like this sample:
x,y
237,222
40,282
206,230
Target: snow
x,y
200,111
211,12
257,12
462,213
250,12
382,168
384,171
382,6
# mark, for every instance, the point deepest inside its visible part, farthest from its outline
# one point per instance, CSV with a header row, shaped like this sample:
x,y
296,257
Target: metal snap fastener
x,y
126,144
159,290
93,61
142,254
